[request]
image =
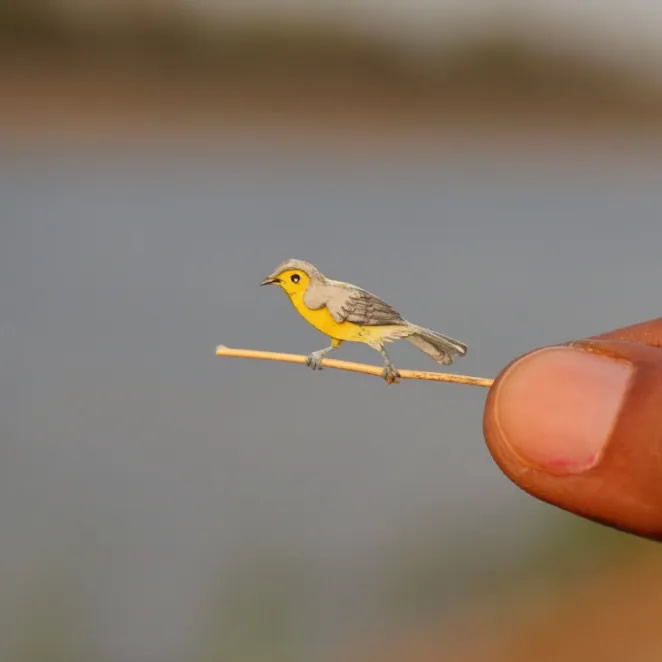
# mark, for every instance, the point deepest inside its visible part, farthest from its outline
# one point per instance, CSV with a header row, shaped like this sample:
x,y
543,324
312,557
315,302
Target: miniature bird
x,y
346,312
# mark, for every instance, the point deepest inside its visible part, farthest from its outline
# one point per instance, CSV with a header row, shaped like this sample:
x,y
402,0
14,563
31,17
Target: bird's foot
x,y
390,374
314,360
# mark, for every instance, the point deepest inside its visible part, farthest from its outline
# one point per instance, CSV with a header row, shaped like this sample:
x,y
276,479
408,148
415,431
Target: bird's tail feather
x,y
441,348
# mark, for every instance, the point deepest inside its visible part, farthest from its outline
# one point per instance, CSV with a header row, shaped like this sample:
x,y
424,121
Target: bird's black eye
x,y
295,278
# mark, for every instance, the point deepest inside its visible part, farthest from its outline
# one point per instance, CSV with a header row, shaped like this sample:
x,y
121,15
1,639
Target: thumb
x,y
580,426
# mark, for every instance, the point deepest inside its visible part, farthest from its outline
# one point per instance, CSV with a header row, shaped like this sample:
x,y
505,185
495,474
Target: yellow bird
x,y
346,312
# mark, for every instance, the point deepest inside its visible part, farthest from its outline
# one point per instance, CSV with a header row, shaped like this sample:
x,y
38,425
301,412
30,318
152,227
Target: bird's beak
x,y
270,281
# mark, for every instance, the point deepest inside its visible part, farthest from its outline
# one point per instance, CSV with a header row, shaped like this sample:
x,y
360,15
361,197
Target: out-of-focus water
x,y
162,501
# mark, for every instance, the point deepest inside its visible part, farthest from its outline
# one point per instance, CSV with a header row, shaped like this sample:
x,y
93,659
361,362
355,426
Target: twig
x,y
222,350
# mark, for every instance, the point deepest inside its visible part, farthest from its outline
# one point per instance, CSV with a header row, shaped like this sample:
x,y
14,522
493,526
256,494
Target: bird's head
x,y
293,276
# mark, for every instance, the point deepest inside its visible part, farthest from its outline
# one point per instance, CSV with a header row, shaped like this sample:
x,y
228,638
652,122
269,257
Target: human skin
x,y
579,425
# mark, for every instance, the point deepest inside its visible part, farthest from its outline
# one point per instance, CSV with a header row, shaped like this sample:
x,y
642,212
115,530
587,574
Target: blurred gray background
x,y
158,503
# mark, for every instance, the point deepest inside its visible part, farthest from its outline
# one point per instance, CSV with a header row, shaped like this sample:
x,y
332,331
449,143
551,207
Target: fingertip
x,y
579,426
554,409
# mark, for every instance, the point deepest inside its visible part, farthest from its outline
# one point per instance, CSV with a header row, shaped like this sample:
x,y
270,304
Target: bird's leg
x,y
314,359
390,374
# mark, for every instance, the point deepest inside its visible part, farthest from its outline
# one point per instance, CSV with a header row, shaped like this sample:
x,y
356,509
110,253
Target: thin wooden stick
x,y
222,350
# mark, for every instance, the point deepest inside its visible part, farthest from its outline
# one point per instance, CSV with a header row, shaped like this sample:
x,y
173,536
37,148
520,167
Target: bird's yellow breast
x,y
323,321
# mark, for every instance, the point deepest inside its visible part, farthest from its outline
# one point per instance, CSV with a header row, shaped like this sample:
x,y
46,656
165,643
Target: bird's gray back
x,y
352,304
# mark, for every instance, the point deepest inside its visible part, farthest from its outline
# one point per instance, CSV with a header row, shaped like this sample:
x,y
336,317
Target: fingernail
x,y
556,407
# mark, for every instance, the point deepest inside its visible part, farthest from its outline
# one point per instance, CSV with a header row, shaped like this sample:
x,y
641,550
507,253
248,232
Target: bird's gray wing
x,y
352,304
